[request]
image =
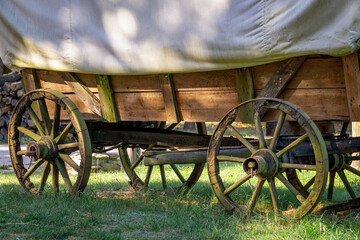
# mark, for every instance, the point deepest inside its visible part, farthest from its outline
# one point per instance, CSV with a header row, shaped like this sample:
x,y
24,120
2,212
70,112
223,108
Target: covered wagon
x,y
113,73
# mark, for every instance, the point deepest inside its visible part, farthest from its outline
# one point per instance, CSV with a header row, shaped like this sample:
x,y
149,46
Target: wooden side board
x,y
318,87
352,81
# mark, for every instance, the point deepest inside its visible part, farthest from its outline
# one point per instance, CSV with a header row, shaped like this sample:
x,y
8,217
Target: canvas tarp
x,y
142,36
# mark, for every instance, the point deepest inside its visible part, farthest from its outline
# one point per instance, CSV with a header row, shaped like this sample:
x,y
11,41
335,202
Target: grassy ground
x,y
108,210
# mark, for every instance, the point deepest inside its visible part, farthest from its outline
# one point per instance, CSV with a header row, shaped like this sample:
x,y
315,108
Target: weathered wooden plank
x,y
53,80
293,128
246,92
279,80
136,83
171,107
352,82
85,111
314,73
147,106
83,92
319,104
224,80
206,106
108,105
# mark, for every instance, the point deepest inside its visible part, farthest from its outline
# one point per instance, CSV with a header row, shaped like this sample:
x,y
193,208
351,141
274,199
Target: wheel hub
x,y
337,161
45,148
263,163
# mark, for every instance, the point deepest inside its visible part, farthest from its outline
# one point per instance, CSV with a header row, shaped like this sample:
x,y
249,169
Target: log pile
x,y
11,90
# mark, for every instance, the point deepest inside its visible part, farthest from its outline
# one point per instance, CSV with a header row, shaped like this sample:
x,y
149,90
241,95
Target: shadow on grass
x,y
108,210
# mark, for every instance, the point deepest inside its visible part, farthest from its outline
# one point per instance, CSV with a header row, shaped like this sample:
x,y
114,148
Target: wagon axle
x,y
263,163
46,148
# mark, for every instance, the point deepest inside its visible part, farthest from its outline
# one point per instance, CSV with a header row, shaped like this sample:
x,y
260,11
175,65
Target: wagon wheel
x,y
339,165
50,148
142,178
267,162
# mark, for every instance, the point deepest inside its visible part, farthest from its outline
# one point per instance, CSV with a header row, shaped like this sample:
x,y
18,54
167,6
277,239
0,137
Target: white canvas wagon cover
x,y
143,36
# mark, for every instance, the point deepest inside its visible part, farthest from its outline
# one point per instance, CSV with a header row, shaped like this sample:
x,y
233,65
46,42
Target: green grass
x,y
108,210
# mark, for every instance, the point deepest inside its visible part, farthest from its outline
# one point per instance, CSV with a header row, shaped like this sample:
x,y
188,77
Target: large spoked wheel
x,y
339,165
141,176
267,162
50,146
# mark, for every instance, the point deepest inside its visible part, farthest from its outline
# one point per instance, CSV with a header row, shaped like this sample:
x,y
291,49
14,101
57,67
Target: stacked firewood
x,y
11,90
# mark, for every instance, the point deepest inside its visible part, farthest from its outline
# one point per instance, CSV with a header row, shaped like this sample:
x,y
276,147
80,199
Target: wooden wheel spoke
x,y
331,185
256,194
237,184
74,146
277,131
148,175
353,170
29,133
36,120
138,161
55,178
245,142
56,123
259,131
33,168
66,158
224,158
289,186
292,145
309,183
62,136
274,195
177,172
44,177
45,116
163,179
61,166
297,166
346,183
21,153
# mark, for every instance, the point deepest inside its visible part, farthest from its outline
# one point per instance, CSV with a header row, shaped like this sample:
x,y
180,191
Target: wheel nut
x,y
251,165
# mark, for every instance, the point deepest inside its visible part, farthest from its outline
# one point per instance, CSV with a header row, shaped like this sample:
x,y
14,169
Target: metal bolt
x,y
251,164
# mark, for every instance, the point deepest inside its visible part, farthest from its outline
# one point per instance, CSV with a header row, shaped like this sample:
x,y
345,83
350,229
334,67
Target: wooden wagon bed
x,y
324,87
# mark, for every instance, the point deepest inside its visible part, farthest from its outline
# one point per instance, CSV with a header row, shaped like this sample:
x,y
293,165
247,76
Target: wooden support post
x,y
82,91
171,108
352,82
351,69
245,88
355,129
28,80
35,79
107,102
201,128
279,80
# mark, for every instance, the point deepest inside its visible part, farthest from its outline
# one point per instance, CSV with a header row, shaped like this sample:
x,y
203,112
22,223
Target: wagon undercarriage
x,y
89,113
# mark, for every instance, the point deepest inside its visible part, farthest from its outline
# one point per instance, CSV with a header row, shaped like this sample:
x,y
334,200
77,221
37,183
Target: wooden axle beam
x,y
334,146
188,157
